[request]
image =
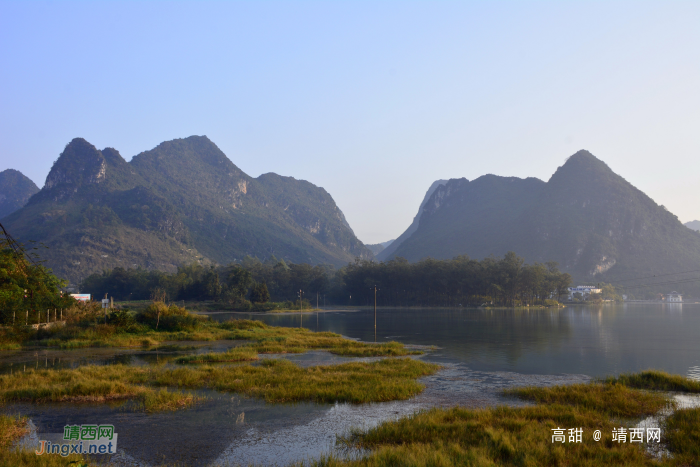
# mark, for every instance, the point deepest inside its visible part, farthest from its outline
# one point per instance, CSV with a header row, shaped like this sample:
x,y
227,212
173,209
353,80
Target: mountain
x,y
595,224
694,225
389,250
15,191
180,202
378,247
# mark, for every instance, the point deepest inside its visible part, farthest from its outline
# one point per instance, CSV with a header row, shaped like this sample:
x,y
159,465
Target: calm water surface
x,y
483,351
595,341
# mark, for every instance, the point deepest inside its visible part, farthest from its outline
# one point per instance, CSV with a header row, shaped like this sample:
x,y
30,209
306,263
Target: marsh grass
x,y
511,436
273,380
682,435
89,384
236,354
656,380
9,346
615,400
271,339
164,400
11,430
179,325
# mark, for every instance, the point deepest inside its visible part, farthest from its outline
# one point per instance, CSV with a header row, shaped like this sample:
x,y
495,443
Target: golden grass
x,y
615,400
274,380
236,354
682,434
11,430
507,436
656,380
263,338
87,384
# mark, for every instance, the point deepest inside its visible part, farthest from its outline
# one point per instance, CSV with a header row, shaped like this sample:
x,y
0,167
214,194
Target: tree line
x,y
27,288
506,281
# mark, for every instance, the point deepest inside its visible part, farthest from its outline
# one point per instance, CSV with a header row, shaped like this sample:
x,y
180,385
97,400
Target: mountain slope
x,y
15,191
179,202
391,248
595,224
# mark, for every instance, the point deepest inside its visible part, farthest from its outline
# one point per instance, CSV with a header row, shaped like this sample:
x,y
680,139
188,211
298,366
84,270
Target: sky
x,y
372,100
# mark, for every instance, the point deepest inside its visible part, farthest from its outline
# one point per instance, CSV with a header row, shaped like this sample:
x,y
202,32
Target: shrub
x,y
122,320
162,317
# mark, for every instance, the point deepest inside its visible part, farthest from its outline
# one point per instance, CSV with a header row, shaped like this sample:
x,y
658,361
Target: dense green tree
x,y
259,293
27,288
460,281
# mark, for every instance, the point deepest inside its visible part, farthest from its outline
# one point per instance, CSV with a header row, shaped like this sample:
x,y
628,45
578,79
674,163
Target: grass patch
x,y
160,323
236,354
522,436
156,401
11,430
656,380
274,381
272,339
614,400
682,435
9,346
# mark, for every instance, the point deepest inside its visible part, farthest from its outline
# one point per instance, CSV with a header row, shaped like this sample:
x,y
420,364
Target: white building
x,y
584,290
674,297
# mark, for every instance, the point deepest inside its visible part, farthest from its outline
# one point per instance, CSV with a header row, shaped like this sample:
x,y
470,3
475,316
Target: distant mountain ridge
x,y
15,191
694,225
595,224
389,250
180,202
378,247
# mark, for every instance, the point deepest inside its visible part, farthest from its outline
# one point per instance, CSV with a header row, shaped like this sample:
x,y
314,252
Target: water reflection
x,y
597,341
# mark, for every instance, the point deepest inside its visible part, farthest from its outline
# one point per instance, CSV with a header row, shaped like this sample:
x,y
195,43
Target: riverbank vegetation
x,y
656,380
248,285
11,430
521,436
89,326
276,380
28,290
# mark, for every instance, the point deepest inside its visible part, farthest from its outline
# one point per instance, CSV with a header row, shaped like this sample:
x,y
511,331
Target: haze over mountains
x,y
595,224
185,201
180,202
694,225
15,191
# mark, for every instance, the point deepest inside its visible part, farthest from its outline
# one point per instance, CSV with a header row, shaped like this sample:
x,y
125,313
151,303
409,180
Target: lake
x,y
482,351
595,341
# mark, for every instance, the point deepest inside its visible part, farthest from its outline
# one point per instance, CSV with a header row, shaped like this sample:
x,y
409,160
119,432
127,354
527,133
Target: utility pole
x,y
301,316
375,313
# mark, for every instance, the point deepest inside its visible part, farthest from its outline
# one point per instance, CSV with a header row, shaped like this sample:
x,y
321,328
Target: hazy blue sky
x,y
371,100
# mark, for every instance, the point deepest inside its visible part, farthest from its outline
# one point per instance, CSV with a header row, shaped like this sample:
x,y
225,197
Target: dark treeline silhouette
x,y
506,281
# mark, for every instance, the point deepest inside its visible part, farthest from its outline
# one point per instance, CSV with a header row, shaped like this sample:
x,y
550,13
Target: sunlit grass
x,y
262,337
274,381
236,354
656,380
616,400
11,430
682,435
512,436
88,384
